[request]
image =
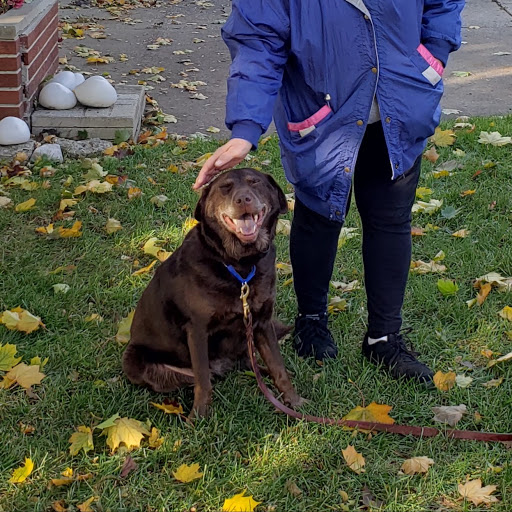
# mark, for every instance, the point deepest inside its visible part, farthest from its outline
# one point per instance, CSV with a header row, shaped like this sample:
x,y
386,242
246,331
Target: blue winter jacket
x,y
315,65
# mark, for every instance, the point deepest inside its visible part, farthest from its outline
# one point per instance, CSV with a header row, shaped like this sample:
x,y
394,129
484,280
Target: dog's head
x,y
241,207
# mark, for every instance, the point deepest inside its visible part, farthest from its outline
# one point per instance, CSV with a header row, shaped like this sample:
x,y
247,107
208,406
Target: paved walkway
x,y
195,25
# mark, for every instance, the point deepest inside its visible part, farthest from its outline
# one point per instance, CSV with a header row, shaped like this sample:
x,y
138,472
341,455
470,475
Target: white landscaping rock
x,y
52,151
96,92
13,131
56,96
65,78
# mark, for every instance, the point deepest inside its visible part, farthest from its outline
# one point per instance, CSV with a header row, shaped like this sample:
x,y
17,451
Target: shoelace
x,y
402,349
314,327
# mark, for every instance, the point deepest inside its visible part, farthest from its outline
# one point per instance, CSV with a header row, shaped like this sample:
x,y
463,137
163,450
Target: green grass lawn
x,y
245,445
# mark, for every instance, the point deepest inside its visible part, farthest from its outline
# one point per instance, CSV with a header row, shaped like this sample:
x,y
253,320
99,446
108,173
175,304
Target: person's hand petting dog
x,y
227,156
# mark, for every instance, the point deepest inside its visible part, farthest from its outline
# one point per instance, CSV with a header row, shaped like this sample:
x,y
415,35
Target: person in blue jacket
x,y
354,88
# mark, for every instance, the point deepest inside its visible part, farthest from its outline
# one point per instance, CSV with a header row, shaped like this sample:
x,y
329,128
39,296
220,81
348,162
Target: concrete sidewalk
x,y
195,25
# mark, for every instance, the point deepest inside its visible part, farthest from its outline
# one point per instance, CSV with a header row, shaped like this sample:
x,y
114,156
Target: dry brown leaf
x,y
431,155
354,460
450,414
416,465
473,491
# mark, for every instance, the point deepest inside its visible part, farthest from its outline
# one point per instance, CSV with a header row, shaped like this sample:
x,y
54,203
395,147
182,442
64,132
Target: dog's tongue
x,y
245,225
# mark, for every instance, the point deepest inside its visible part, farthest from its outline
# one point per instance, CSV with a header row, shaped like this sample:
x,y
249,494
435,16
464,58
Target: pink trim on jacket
x,y
423,51
311,121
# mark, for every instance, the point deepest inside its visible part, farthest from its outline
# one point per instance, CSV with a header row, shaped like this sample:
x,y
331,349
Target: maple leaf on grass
x,y
154,440
123,331
443,138
450,414
377,413
506,313
473,491
81,440
416,465
19,319
23,375
169,407
22,473
444,381
240,503
355,461
86,505
129,465
7,357
127,432
26,205
187,473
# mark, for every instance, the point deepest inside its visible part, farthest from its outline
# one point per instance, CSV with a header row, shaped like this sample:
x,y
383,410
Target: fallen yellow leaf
x,y
443,138
21,474
354,460
444,381
240,503
81,440
23,375
127,432
377,413
7,357
416,465
485,289
169,408
155,441
473,491
134,192
112,226
144,270
506,313
461,233
26,205
86,505
187,473
467,193
72,232
188,225
123,331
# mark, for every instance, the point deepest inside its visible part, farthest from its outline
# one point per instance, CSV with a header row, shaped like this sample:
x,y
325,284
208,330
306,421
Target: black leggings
x,y
385,209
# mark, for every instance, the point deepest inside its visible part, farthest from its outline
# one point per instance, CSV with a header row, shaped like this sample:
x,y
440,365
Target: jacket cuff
x,y
439,48
247,130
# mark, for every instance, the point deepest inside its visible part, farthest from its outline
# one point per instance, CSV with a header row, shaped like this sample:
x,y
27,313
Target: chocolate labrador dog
x,y
188,325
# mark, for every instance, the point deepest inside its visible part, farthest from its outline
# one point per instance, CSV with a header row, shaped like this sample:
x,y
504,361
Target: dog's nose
x,y
243,198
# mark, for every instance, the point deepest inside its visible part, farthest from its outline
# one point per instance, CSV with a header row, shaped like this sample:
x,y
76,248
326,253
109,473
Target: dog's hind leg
x,y
160,377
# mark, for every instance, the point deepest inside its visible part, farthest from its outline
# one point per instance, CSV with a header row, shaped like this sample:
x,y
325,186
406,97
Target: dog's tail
x,y
160,377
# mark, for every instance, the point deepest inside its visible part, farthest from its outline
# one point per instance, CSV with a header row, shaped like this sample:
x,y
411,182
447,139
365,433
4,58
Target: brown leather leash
x,y
405,430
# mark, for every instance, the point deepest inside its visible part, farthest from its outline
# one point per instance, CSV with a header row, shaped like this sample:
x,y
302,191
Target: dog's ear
x,y
283,203
199,211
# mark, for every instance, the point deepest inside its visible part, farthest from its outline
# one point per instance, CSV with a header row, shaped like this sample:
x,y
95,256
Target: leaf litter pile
x,y
78,436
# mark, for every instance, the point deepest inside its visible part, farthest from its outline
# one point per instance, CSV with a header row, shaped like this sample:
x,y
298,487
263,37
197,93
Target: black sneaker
x,y
313,338
400,361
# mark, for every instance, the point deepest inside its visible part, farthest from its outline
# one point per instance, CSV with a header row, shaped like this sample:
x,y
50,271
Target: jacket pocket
x,y
427,64
309,125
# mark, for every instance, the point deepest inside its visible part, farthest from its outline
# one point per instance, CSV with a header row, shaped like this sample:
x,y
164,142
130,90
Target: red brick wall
x,y
24,63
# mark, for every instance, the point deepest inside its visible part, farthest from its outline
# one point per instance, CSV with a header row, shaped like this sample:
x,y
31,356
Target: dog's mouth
x,y
247,227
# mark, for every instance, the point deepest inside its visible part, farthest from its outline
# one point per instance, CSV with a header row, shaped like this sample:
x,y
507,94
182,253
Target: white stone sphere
x,y
56,96
66,78
96,92
79,79
13,130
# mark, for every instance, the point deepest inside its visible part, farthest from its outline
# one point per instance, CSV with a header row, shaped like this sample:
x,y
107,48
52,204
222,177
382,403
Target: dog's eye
x,y
253,181
226,187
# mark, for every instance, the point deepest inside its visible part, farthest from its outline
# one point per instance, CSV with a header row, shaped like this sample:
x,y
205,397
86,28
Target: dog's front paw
x,y
295,401
199,411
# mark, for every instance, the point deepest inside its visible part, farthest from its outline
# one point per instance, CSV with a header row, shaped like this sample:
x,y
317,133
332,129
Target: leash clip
x,y
244,293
